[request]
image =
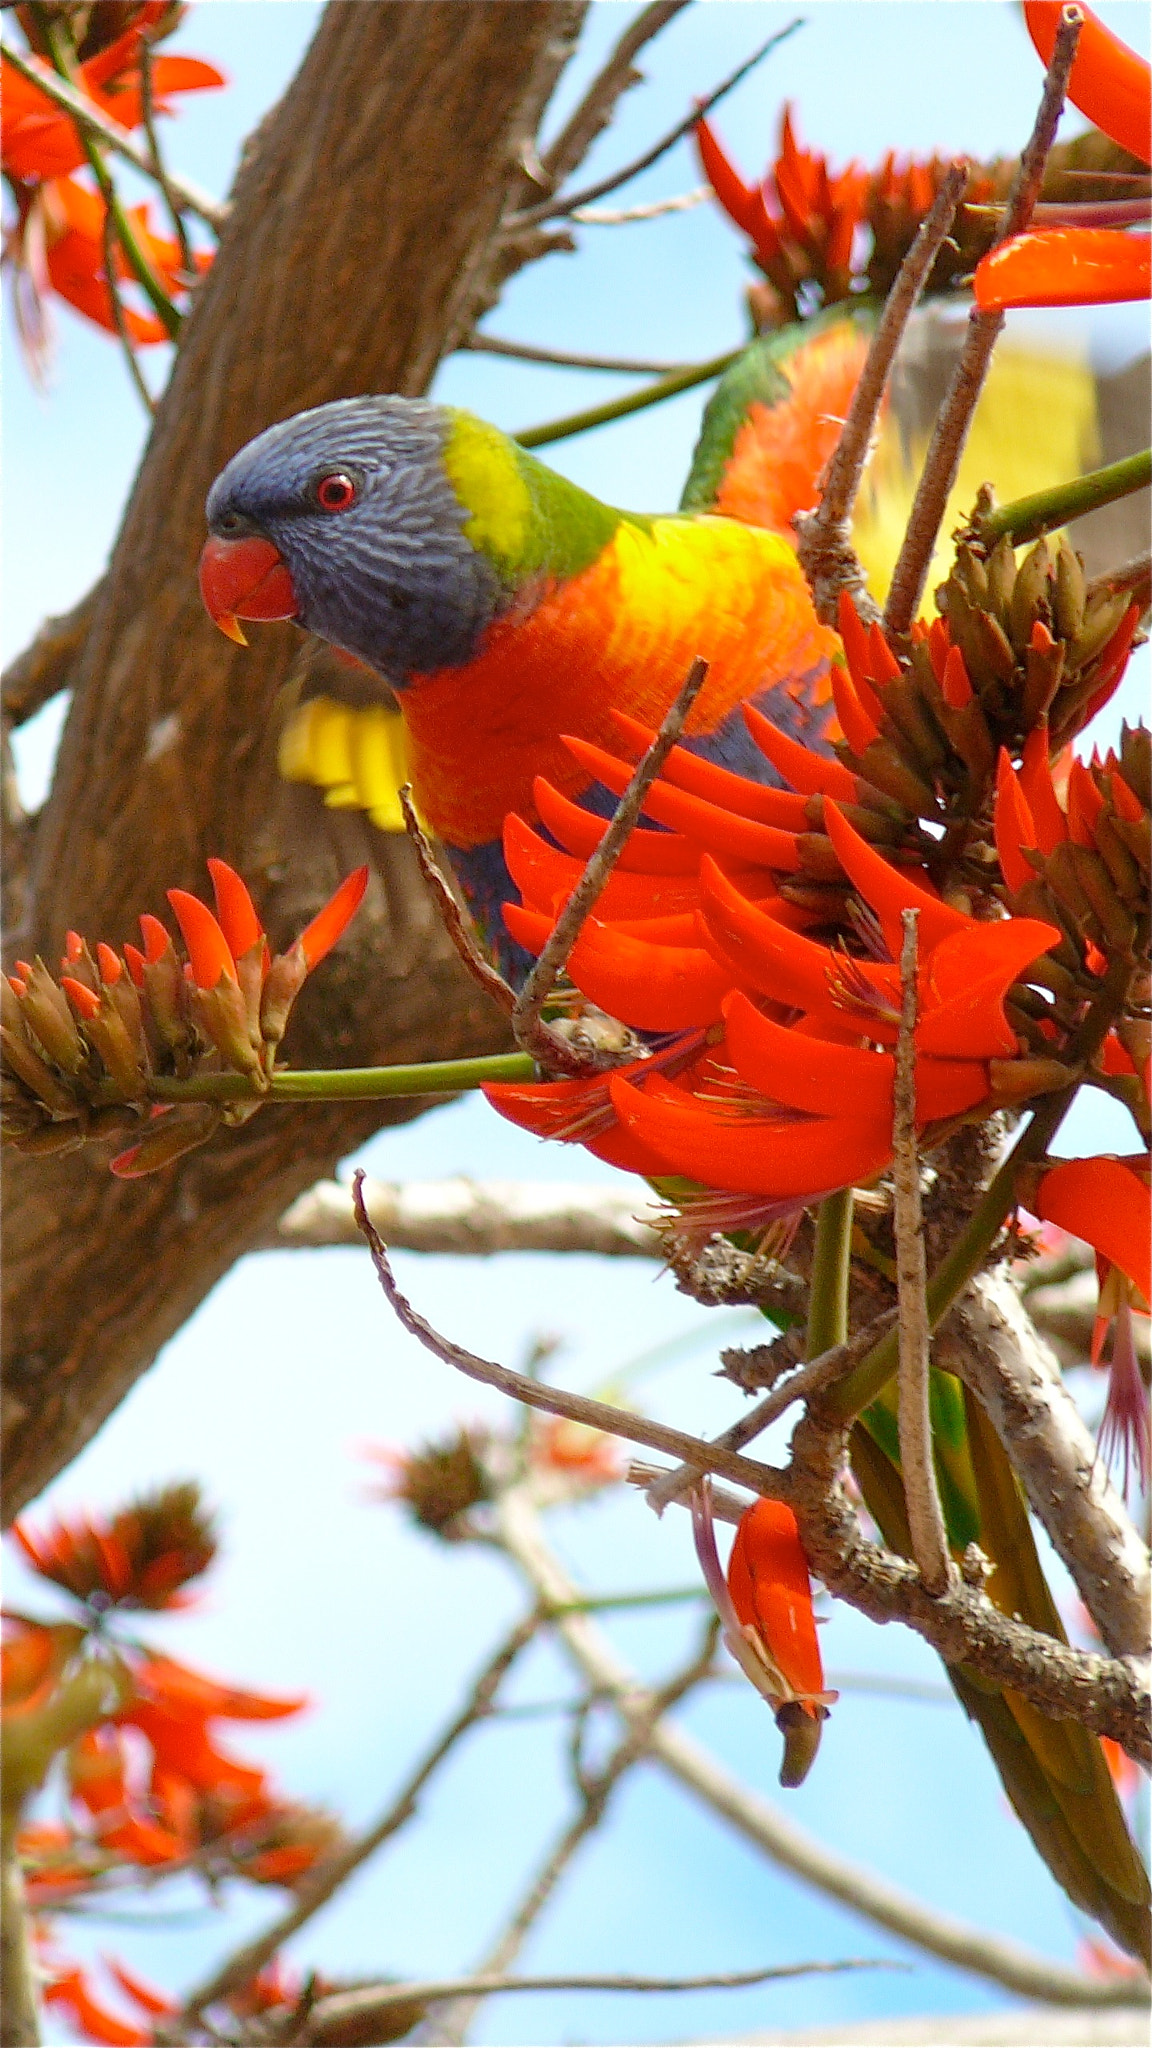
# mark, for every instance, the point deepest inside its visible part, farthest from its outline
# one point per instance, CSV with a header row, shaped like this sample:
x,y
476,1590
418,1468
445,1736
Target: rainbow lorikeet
x,y
505,607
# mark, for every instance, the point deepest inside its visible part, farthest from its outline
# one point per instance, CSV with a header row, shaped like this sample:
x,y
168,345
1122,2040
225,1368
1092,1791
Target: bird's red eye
x,y
336,492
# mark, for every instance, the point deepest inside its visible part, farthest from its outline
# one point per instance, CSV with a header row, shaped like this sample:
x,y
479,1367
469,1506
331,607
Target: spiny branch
x,y
818,1373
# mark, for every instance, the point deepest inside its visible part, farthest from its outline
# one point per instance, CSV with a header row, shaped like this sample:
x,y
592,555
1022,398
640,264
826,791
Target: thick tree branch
x,y
989,1341
1107,1694
401,118
479,1218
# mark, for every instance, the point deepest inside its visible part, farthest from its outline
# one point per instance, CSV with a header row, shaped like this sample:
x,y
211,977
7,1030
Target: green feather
x,y
758,377
527,520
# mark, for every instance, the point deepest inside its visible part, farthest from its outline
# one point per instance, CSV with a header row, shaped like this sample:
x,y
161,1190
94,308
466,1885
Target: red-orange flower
x,y
1104,1201
57,242
138,1559
1091,264
765,1604
40,139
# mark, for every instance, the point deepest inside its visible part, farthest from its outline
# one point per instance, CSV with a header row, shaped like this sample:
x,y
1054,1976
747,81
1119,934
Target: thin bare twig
x,y
797,1387
89,118
614,78
526,1017
925,1520
475,1219
551,209
318,1888
333,2016
955,416
622,1422
762,1824
523,351
451,915
596,1791
116,305
655,209
826,554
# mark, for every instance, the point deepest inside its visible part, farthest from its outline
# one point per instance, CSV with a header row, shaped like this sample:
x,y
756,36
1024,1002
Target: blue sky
x,y
294,1361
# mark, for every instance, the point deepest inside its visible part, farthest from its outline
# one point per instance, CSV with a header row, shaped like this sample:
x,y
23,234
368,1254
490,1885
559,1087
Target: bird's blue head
x,y
346,520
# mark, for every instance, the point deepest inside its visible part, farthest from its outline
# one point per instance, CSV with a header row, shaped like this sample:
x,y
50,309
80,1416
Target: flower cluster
x,y
765,1605
79,1054
821,237
148,1783
56,242
754,940
147,1786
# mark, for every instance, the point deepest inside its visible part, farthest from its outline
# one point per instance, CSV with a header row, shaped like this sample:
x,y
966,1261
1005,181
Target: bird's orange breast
x,y
621,635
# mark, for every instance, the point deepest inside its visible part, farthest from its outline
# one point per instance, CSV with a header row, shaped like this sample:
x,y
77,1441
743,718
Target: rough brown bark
x,y
358,246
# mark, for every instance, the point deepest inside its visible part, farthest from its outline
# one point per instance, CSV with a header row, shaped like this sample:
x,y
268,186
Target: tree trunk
x,y
358,249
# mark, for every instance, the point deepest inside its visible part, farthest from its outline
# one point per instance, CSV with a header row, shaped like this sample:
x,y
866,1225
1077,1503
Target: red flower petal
x,y
890,890
719,830
812,774
1013,825
644,853
816,1074
1109,82
771,1591
759,951
208,949
234,908
326,927
734,195
1105,1202
685,770
546,877
1065,267
1036,783
771,1156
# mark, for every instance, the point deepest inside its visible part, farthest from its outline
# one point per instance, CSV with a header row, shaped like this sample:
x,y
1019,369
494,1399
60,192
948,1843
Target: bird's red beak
x,y
244,579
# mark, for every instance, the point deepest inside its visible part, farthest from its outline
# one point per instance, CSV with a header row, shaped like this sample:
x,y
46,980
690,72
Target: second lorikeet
x,y
505,607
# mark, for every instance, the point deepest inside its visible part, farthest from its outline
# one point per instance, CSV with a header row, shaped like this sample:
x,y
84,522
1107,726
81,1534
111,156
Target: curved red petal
x,y
890,890
644,853
752,1156
1036,783
326,927
734,195
759,951
812,774
692,772
817,1074
1109,82
1105,1202
1013,825
234,908
1065,267
719,830
208,949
